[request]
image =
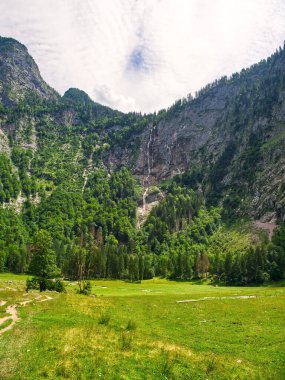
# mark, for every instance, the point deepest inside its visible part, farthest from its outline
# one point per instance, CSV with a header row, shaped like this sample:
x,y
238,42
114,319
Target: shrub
x,y
57,286
104,319
85,288
32,284
41,284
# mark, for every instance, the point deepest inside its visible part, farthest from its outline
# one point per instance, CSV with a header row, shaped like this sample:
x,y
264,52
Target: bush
x,y
32,284
85,288
57,286
39,283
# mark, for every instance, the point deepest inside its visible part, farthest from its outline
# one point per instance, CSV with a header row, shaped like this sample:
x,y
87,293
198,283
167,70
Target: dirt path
x,y
12,310
45,299
9,288
24,303
13,316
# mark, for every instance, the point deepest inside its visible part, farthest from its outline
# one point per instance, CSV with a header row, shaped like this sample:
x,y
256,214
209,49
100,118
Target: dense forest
x,y
94,235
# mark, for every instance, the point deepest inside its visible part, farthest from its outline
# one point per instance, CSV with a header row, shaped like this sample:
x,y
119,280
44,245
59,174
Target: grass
x,y
104,319
4,277
148,335
6,323
131,325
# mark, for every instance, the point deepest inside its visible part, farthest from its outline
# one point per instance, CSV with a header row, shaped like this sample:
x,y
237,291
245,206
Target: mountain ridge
x,y
236,122
19,74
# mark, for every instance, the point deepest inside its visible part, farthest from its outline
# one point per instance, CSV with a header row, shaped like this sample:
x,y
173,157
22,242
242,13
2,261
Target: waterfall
x,y
146,180
86,171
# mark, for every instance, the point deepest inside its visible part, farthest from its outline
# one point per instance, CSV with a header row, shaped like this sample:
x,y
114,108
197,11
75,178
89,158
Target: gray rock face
x,y
19,74
247,112
179,137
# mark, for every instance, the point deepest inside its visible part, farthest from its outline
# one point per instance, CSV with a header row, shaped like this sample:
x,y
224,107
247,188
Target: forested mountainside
x,y
132,196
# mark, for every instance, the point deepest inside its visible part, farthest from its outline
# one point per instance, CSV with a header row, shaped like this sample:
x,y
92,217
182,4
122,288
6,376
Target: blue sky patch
x,y
137,61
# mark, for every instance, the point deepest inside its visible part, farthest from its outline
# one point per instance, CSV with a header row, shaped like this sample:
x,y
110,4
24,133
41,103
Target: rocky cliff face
x,y
232,134
19,74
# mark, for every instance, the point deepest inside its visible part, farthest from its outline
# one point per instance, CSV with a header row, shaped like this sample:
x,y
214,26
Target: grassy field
x,y
139,331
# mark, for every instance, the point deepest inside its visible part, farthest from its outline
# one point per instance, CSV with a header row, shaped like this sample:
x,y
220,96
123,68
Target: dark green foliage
x,y
254,265
173,213
93,235
32,284
112,202
57,286
276,254
191,179
43,260
13,239
78,96
42,284
220,168
9,182
22,159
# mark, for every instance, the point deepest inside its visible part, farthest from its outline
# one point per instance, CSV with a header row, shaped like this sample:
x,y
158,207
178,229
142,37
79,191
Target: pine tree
x,y
43,261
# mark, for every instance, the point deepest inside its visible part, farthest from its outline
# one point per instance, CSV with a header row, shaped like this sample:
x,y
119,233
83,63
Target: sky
x,y
142,55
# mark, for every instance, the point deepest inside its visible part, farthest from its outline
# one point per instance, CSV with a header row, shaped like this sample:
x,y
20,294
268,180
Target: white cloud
x,y
142,55
105,95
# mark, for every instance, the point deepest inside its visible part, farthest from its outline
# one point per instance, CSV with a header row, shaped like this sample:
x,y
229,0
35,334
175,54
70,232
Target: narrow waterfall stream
x,y
146,180
86,171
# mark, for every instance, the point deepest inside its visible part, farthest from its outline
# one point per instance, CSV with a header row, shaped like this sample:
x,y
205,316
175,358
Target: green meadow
x,y
139,331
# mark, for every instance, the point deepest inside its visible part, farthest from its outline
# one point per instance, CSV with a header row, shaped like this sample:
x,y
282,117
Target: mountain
x,y
137,191
19,74
229,141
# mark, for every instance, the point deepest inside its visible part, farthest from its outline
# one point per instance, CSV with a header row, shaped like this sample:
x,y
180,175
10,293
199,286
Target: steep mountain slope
x,y
230,140
19,75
